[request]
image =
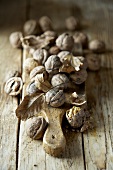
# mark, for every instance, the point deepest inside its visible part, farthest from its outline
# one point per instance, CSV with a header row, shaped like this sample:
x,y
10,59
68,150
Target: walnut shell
x,y
40,55
35,127
36,70
65,42
31,88
55,97
54,50
15,39
94,62
97,46
72,23
29,64
62,55
79,77
42,83
75,116
60,80
53,64
13,86
80,37
45,23
31,27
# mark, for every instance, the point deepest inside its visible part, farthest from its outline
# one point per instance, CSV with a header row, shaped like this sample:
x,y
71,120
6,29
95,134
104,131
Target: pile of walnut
x,y
56,63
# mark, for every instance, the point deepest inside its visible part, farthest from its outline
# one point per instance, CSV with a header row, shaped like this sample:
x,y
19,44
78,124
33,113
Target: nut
x,y
40,55
75,116
13,86
45,23
53,64
54,50
77,49
79,77
84,64
94,62
35,127
80,37
29,64
65,42
37,70
55,97
62,55
72,23
31,88
31,27
60,80
15,39
97,46
42,83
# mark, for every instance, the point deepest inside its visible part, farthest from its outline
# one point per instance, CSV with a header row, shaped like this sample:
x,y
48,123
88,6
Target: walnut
x,y
53,64
49,36
54,50
55,97
97,46
35,127
31,27
62,55
13,86
29,64
79,77
45,23
65,42
60,80
80,37
37,70
31,88
76,116
40,55
72,23
41,82
77,49
84,64
15,39
94,62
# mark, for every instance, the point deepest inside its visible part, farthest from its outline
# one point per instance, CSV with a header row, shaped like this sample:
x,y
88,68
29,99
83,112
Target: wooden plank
x,y
10,59
98,143
31,153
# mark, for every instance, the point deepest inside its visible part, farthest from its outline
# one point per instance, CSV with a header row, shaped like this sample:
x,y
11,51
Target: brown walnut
x,y
15,39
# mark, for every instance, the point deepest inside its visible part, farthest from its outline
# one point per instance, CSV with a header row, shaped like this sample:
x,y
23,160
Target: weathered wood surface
x,y
94,147
10,60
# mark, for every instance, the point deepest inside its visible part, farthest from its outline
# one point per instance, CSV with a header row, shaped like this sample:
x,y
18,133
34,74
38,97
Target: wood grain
x,y
10,60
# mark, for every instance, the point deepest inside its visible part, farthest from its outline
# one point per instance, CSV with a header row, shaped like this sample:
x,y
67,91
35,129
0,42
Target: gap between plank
x,y
83,151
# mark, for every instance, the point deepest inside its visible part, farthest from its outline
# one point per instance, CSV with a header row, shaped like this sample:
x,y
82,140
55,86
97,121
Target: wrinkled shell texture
x,y
35,127
55,97
29,64
40,55
65,42
13,86
62,55
52,64
15,39
36,70
54,50
31,88
60,80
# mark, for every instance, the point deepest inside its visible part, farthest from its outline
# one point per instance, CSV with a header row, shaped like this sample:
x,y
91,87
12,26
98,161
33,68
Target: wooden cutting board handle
x,y
54,141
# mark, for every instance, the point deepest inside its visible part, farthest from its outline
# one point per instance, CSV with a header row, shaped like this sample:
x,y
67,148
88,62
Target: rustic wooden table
x,y
92,150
